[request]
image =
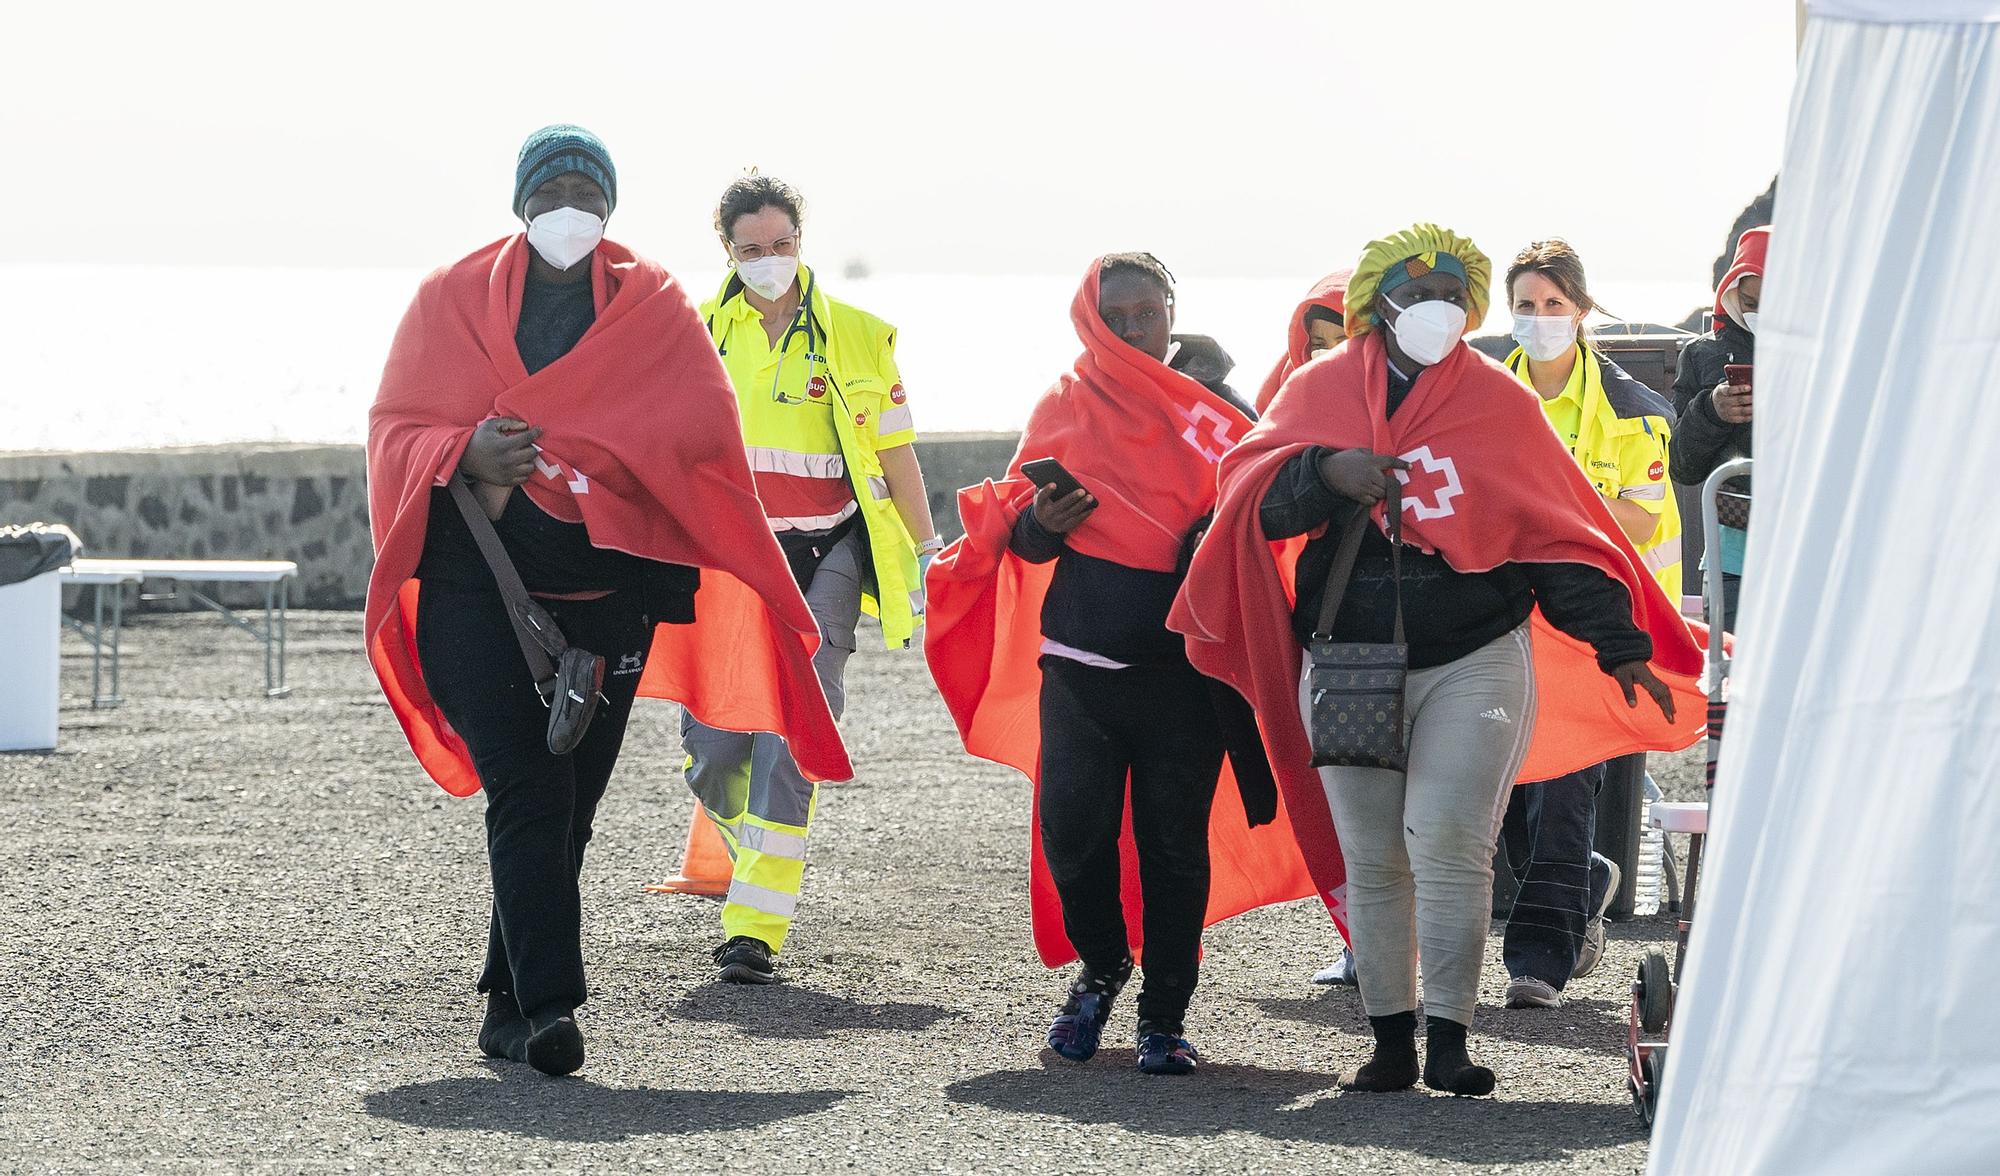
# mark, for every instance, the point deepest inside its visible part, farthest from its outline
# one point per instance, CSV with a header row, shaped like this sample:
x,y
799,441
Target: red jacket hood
x,y
1329,292
1750,250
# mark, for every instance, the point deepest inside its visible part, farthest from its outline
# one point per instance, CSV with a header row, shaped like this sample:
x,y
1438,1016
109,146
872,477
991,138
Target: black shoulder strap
x,y
1342,572
541,641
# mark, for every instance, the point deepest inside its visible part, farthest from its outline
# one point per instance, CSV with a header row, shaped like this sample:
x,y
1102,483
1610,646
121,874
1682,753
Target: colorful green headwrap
x,y
1402,257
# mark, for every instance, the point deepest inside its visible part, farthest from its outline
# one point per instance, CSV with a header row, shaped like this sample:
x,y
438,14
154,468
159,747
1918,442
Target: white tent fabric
x,y
1908,11
1841,1011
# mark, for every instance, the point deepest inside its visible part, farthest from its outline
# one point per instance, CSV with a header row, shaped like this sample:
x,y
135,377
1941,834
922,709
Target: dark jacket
x,y
1703,440
1104,607
1120,612
1447,613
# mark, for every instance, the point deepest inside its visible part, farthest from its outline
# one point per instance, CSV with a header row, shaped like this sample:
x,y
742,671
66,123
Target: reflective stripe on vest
x,y
765,460
821,522
1662,555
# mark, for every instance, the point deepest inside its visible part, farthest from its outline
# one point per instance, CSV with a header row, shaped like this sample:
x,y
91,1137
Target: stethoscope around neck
x,y
804,322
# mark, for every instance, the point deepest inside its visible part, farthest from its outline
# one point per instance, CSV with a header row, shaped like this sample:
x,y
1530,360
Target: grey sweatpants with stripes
x,y
1419,844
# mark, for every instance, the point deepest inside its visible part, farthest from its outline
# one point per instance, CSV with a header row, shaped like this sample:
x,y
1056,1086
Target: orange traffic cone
x,y
705,865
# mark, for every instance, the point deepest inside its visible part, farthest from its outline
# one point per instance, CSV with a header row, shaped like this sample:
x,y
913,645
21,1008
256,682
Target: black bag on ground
x,y
1356,688
568,678
28,550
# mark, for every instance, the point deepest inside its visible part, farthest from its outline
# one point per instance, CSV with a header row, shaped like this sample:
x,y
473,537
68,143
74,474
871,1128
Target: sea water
x,y
121,357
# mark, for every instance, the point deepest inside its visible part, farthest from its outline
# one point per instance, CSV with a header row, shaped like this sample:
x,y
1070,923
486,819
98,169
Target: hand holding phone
x,y
1733,400
1061,502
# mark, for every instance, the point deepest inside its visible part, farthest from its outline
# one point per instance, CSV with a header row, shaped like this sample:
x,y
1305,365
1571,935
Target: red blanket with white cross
x,y
641,443
1489,484
1144,439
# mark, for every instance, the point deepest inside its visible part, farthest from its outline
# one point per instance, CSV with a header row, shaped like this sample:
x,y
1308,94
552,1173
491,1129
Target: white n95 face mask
x,y
1544,336
769,276
1750,321
565,236
1427,331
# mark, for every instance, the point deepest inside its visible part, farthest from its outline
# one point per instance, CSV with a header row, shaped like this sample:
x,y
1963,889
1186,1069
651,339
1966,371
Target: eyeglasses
x,y
782,247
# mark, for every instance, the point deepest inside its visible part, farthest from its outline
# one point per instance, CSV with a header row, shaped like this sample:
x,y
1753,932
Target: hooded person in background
x,y
1319,325
1050,647
831,440
1713,426
569,382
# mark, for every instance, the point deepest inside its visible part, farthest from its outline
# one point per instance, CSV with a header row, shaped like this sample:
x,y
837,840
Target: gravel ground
x,y
242,934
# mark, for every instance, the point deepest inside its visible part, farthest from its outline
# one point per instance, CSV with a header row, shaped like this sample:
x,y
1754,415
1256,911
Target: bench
x,y
96,574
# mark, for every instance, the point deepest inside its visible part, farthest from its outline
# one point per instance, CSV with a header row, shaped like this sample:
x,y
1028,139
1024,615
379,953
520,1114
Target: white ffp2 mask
x,y
1427,331
1750,321
1544,336
769,276
565,236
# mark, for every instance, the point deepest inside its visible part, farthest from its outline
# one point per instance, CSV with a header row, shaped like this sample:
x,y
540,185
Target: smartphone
x,y
1738,374
1044,471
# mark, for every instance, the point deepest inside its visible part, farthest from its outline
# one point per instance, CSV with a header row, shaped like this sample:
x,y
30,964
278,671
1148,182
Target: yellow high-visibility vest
x,y
1618,430
825,403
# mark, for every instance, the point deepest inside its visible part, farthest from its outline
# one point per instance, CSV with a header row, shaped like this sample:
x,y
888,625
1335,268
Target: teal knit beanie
x,y
557,149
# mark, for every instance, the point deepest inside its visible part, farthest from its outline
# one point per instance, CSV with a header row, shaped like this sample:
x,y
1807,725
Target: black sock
x,y
504,1033
1106,983
1394,1064
555,1043
1447,1066
1091,981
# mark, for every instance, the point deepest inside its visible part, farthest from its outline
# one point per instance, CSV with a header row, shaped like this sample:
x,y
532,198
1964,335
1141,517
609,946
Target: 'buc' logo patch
x,y
897,395
1657,470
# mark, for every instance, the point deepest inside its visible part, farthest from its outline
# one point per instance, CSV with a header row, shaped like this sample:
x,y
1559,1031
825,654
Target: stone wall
x,y
305,503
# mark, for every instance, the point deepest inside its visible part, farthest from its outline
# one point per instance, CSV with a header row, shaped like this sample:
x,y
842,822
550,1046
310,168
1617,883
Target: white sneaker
x,y
1341,973
1526,992
1592,950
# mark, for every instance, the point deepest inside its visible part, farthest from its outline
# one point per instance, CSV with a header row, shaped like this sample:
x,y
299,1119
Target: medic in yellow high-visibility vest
x,y
828,429
1617,428
1618,431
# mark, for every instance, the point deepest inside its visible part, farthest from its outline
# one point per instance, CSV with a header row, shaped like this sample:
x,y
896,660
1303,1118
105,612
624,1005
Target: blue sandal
x,y
1166,1053
1078,1029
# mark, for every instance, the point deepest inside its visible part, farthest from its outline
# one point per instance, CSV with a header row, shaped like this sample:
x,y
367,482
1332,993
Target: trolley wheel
x,y
1656,992
1645,1103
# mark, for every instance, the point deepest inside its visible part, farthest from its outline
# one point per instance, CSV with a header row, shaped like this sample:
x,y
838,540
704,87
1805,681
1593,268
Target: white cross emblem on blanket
x,y
1218,429
1429,477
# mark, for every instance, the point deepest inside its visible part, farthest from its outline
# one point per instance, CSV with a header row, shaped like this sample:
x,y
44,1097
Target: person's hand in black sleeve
x,y
1040,533
1592,607
1300,498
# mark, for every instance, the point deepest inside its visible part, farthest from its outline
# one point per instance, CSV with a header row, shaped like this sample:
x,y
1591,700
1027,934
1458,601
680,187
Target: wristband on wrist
x,y
934,543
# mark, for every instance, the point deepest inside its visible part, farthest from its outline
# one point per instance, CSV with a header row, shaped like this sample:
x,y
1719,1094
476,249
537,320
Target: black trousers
x,y
1548,831
539,806
1159,728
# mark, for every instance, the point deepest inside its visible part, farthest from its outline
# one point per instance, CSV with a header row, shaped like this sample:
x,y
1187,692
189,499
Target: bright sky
x,y
1228,136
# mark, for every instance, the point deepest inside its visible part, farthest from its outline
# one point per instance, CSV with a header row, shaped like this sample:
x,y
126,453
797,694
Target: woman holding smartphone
x,y
1712,395
1100,697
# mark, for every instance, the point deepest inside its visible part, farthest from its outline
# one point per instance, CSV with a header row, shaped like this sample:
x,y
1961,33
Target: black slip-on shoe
x,y
744,960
